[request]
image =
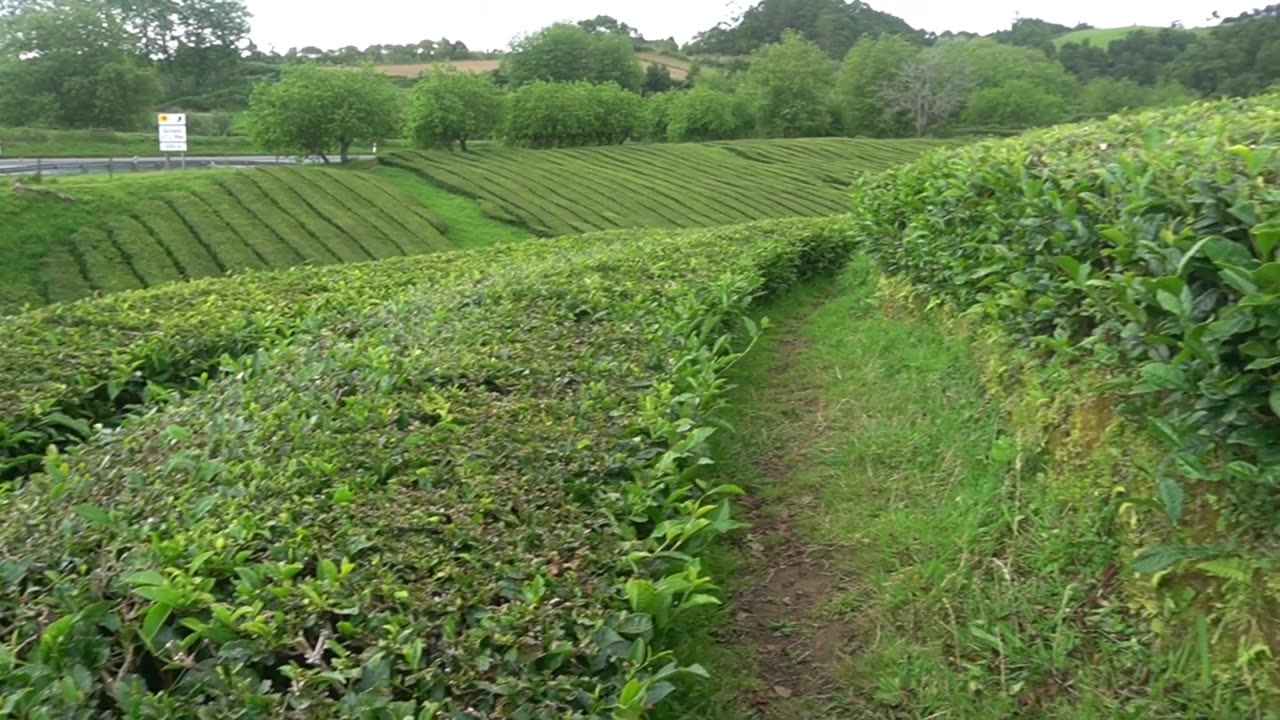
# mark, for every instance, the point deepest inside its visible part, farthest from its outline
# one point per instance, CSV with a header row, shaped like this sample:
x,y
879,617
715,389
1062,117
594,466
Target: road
x,y
84,166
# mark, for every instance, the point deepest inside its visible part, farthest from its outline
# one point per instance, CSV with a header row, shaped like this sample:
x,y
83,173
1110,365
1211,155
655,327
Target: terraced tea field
x,y
143,234
559,192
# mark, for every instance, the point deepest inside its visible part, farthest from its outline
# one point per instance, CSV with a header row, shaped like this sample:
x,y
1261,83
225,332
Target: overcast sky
x,y
490,24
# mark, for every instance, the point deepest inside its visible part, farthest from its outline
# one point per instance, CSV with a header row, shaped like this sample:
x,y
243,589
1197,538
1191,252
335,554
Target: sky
x,y
491,24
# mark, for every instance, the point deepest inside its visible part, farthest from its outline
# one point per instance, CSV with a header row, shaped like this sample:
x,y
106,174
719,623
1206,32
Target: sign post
x,y
173,135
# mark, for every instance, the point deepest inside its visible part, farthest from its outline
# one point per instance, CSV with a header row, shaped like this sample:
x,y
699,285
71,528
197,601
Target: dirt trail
x,y
777,611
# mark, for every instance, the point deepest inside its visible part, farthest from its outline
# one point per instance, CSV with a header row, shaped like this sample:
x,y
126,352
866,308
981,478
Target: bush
x,y
450,106
703,114
1147,244
445,501
548,115
1017,103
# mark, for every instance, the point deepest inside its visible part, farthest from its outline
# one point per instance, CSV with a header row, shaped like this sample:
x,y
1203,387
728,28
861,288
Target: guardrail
x,y
111,166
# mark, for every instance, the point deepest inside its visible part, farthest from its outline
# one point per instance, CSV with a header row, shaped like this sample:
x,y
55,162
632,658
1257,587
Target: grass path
x,y
841,438
902,562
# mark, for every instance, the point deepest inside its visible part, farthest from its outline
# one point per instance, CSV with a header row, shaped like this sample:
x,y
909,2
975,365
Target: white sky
x,y
490,24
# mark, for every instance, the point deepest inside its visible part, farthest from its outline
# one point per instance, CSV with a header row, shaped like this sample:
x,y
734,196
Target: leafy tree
x,y
1084,60
873,63
568,53
1033,33
1145,56
988,64
607,24
448,106
1015,104
835,25
655,120
1105,95
657,79
703,114
789,84
548,115
617,114
927,90
1239,58
71,64
311,111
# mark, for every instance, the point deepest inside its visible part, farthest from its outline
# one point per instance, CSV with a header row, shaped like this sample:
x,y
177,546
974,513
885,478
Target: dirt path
x,y
780,605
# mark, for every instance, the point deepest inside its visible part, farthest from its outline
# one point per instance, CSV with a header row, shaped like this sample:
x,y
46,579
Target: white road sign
x,y
173,132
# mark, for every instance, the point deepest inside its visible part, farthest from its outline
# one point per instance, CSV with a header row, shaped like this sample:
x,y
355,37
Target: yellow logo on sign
x,y
164,118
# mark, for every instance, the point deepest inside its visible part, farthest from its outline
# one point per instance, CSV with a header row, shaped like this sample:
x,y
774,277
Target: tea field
x,y
560,192
454,485
135,232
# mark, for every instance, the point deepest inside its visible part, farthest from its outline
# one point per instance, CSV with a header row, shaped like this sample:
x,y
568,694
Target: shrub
x,y
703,114
474,494
1146,243
546,115
450,106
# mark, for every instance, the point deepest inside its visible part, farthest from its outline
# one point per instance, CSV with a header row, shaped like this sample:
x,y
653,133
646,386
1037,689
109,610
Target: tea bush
x,y
1146,243
465,486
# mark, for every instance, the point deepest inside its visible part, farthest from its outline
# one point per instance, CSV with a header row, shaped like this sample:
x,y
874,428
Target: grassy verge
x,y
967,506
31,143
468,226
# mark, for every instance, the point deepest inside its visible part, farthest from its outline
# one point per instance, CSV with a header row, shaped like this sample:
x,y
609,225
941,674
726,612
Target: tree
x,y
1032,33
548,115
789,84
657,79
834,25
71,63
617,114
311,111
448,106
871,64
927,90
703,114
607,24
568,53
1015,104
1235,59
656,118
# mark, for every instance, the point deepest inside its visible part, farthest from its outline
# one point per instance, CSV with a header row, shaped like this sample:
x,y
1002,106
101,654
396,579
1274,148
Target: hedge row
x,y
472,494
1147,243
568,191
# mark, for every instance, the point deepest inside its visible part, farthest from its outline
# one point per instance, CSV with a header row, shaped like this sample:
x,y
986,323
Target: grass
x,y
142,231
678,67
467,224
1103,37
29,143
560,192
975,571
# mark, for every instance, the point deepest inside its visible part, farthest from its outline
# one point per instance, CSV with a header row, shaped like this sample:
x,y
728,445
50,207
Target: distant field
x,y
145,231
1103,37
559,192
679,68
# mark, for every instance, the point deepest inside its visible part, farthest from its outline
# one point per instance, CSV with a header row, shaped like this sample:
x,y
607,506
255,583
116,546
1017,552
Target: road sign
x,y
173,132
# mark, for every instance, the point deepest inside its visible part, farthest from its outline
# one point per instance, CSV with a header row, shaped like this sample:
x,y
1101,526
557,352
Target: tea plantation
x,y
561,192
1038,415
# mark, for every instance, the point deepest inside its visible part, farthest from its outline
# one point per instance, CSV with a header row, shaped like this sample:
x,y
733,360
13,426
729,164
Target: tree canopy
x,y
834,25
569,53
789,83
449,106
312,111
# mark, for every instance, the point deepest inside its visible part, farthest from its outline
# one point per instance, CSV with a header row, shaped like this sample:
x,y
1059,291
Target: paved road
x,y
81,166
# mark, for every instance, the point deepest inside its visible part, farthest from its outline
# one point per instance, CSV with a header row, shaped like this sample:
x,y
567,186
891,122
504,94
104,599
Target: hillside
x,y
143,231
679,67
1103,37
558,192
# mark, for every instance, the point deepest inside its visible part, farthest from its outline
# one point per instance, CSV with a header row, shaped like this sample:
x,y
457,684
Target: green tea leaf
x,y
154,620
1160,558
1172,495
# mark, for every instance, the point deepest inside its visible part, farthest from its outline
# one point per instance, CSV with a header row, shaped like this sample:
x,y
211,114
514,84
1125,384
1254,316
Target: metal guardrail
x,y
111,166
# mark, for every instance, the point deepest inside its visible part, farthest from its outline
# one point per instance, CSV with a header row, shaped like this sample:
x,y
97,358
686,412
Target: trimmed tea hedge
x,y
463,486
566,191
1147,243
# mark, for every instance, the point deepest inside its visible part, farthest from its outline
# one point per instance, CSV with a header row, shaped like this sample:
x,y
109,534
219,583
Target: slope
x,y
560,192
96,235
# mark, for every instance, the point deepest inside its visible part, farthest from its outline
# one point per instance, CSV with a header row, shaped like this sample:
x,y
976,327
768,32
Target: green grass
x,y
972,560
143,231
1103,37
558,192
19,143
467,224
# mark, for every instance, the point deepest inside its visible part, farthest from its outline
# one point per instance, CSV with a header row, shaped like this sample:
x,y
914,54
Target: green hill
x,y
558,192
79,237
1103,37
